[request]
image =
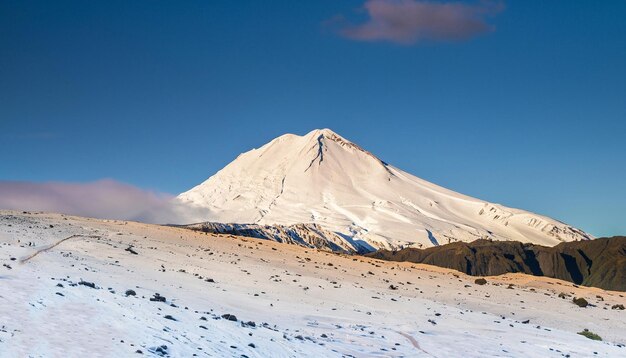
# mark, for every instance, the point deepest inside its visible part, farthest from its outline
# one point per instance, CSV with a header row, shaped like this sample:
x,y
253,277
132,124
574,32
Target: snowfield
x,y
219,295
322,178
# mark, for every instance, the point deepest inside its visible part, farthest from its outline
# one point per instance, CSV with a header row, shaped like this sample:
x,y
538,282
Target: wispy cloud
x,y
411,21
105,199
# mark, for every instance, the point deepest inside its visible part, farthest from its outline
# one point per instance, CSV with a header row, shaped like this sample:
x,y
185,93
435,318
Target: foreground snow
x,y
325,179
303,302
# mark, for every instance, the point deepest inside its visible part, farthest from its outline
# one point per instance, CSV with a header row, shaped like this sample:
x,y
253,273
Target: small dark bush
x,y
480,281
617,307
157,298
580,302
88,284
131,250
587,333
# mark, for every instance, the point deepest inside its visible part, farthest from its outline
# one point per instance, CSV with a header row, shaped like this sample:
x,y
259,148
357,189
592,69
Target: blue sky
x,y
521,103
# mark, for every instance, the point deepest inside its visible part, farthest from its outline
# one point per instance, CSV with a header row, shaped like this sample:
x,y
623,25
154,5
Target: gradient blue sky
x,y
529,112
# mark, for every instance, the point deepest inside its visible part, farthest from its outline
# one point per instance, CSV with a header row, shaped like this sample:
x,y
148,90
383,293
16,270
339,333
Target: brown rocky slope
x,y
598,263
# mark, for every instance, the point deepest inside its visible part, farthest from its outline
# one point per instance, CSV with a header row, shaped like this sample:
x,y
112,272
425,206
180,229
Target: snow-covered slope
x,y
325,179
308,235
81,287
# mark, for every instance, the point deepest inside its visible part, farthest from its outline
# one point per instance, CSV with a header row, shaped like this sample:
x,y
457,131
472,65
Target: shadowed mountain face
x,y
307,235
599,263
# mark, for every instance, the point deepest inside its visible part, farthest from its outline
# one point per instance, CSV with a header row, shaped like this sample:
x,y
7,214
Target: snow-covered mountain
x,y
324,179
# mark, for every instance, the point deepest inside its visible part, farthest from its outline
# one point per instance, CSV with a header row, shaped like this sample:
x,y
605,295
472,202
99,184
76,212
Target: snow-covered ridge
x,y
141,290
306,235
324,179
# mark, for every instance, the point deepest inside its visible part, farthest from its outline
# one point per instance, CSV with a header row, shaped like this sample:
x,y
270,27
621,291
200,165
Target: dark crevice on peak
x,y
323,134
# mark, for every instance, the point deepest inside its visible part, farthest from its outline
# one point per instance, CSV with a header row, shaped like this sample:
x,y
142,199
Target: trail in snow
x,y
51,246
413,341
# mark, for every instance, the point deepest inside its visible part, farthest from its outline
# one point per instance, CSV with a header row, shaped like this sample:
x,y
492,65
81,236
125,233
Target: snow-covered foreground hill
x,y
232,296
323,178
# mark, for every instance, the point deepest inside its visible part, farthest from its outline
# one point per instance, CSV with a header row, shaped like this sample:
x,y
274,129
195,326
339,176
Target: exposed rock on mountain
x,y
307,235
599,263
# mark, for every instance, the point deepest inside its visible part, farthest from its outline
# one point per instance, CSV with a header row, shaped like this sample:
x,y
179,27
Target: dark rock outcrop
x,y
599,263
307,235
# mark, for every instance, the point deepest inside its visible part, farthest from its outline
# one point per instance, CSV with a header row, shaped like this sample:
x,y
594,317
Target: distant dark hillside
x,y
599,263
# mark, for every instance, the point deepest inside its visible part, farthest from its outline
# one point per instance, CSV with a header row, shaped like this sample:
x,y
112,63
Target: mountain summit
x,y
325,180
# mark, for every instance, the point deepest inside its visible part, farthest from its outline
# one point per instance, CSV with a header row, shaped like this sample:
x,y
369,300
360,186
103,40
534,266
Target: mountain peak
x,y
323,131
325,179
326,133
319,135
